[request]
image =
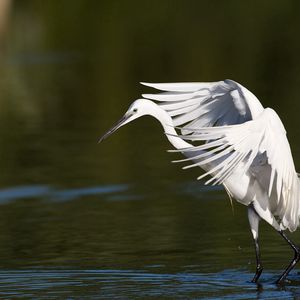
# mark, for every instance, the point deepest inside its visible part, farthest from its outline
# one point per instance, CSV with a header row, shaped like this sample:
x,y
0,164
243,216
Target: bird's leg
x,y
254,222
293,261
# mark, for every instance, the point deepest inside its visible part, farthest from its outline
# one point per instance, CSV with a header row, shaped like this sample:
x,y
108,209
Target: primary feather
x,y
205,104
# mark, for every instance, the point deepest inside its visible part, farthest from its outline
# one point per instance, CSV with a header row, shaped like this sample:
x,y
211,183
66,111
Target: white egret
x,y
245,148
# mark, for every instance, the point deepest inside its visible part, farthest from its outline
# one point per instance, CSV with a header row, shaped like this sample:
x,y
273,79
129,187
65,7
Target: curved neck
x,y
167,124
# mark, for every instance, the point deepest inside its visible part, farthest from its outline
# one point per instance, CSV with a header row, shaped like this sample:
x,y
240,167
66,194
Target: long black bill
x,y
114,128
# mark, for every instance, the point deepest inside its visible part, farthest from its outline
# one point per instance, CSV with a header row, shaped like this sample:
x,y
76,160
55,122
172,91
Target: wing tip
x,y
150,84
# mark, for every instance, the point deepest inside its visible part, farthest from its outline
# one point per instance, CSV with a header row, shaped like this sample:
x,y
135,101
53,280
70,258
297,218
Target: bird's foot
x,y
282,279
257,274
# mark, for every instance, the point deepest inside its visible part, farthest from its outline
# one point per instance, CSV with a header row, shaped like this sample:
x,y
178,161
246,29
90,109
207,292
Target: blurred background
x,y
68,71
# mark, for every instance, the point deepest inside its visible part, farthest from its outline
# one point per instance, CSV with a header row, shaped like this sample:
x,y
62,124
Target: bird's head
x,y
137,109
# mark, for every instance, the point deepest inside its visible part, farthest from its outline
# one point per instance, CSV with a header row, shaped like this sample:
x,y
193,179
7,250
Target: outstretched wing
x,y
206,104
244,146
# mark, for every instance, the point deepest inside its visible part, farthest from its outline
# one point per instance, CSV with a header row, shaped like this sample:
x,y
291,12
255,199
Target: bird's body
x,y
245,148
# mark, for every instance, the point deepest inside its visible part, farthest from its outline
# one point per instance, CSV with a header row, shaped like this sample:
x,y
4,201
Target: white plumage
x,y
235,140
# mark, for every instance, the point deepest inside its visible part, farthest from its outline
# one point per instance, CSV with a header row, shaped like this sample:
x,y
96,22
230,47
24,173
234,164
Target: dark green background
x,y
68,71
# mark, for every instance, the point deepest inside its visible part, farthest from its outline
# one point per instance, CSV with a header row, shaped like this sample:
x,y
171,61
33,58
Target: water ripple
x,y
35,191
128,284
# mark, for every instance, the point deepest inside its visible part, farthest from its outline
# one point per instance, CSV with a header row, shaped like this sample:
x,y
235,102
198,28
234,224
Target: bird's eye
x,y
135,110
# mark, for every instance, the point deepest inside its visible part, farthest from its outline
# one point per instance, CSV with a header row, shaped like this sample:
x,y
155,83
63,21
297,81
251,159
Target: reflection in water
x,y
118,220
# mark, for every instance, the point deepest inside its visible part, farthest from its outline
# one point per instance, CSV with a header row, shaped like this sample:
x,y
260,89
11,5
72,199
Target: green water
x,y
118,220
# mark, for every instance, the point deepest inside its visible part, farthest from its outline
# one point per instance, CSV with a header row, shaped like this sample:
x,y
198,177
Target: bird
x,y
224,129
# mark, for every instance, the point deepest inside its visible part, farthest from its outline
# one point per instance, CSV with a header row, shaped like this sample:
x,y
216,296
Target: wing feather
x,y
244,144
180,86
214,103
